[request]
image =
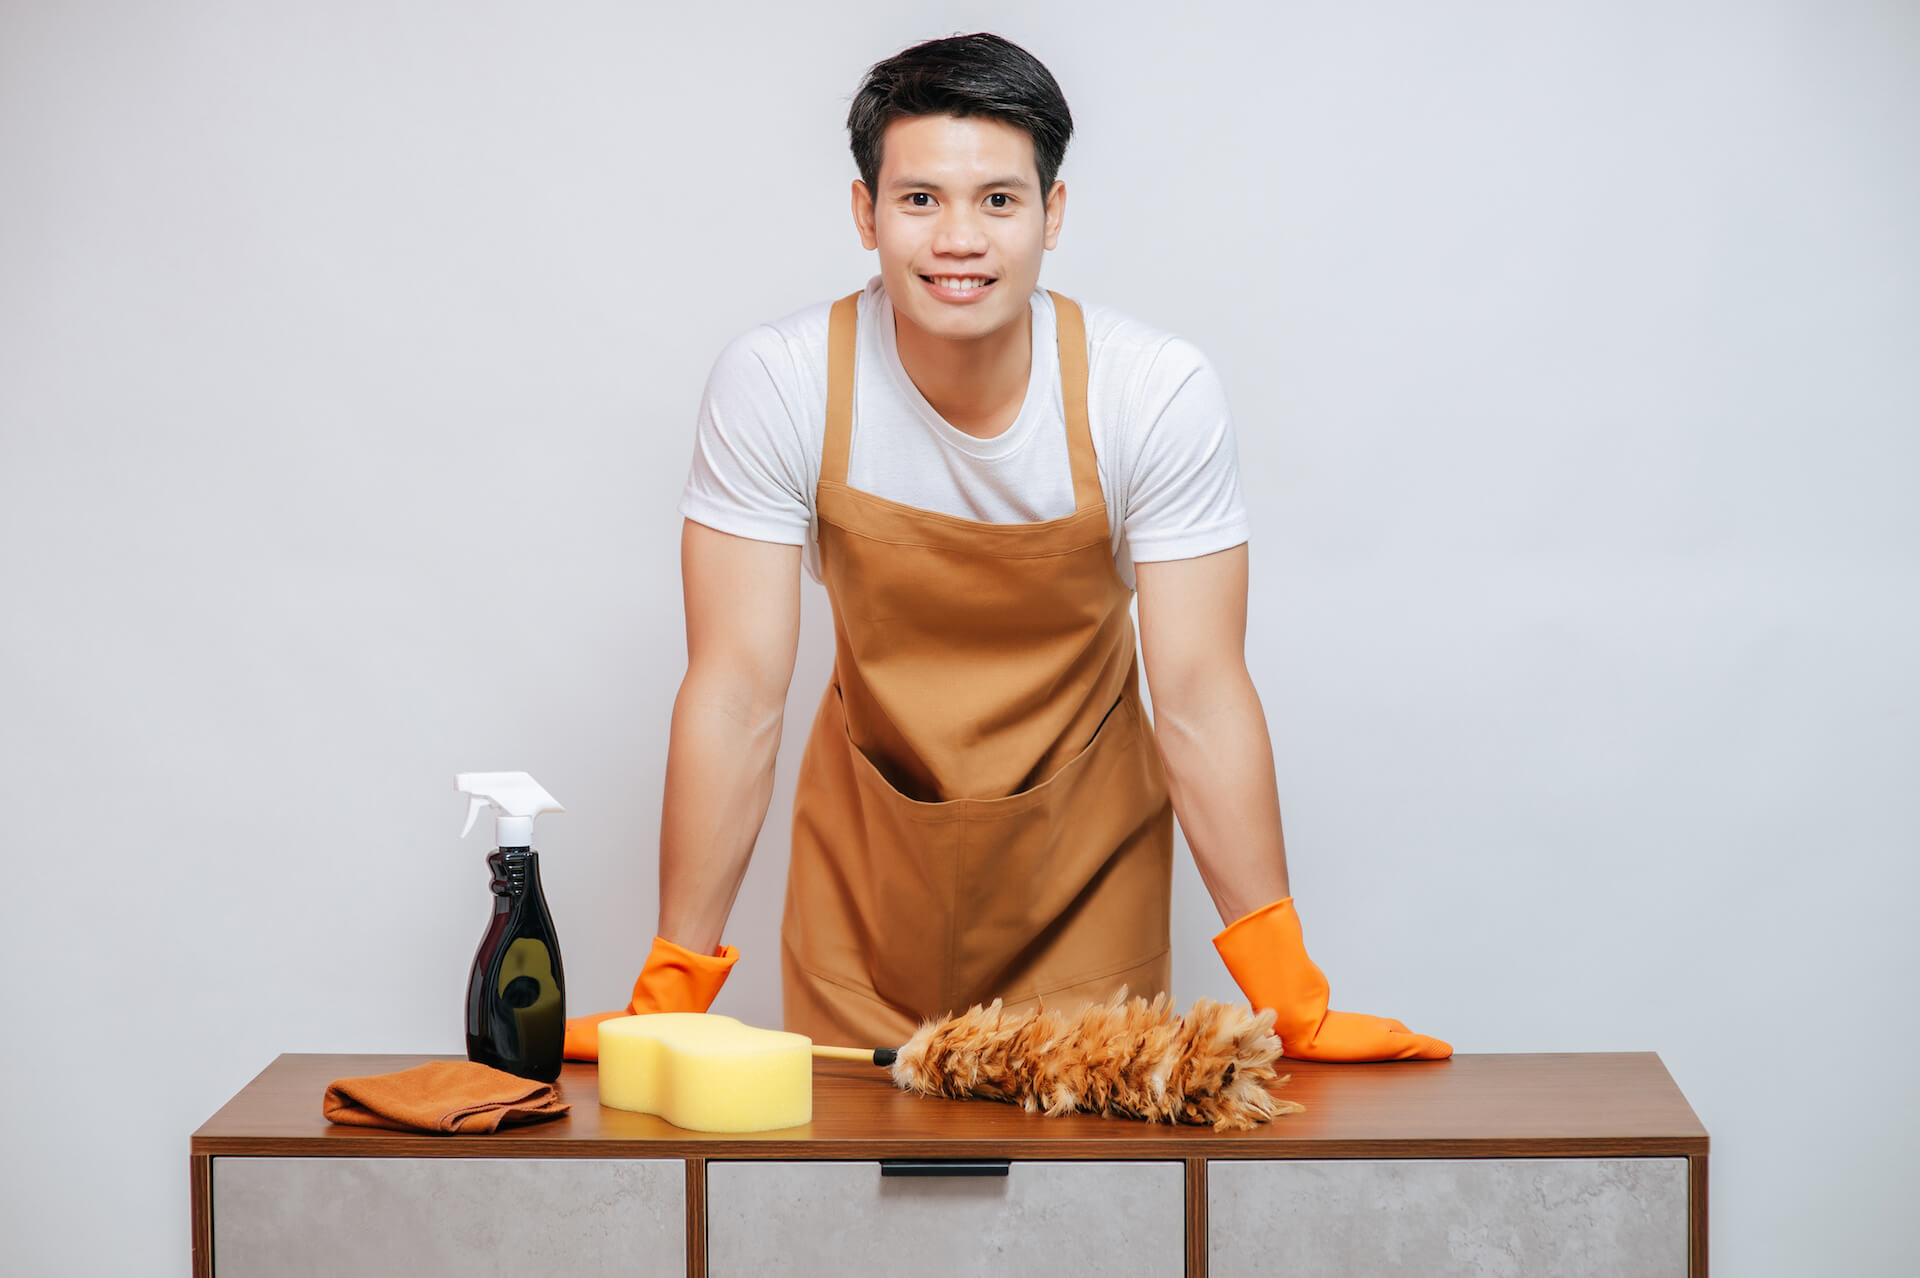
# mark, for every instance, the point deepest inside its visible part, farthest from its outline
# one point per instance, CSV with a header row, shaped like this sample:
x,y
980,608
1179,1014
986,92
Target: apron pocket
x,y
1120,720
1057,883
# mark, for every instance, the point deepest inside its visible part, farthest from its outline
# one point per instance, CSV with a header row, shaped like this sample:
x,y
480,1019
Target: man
x,y
980,472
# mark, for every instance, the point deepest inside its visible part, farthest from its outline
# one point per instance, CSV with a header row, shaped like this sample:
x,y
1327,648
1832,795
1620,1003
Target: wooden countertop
x,y
1617,1104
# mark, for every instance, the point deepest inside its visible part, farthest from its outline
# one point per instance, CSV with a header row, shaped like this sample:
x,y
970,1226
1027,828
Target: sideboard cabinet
x,y
1563,1165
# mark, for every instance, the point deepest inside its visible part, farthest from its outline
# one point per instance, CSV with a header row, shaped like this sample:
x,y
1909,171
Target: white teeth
x,y
959,283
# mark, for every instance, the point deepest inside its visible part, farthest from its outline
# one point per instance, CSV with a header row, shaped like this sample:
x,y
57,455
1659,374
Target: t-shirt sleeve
x,y
1184,496
749,473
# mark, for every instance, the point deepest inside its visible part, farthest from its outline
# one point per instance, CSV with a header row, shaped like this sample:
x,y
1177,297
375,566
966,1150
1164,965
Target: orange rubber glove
x,y
674,979
1268,959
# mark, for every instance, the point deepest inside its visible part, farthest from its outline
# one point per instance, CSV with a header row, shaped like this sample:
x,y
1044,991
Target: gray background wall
x,y
348,360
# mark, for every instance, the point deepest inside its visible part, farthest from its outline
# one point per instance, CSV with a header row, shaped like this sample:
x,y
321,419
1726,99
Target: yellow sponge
x,y
706,1073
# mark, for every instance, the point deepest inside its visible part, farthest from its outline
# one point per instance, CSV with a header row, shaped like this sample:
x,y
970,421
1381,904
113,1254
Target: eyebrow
x,y
905,183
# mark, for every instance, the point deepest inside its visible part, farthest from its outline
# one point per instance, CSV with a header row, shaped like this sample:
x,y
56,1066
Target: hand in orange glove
x,y
1268,959
674,979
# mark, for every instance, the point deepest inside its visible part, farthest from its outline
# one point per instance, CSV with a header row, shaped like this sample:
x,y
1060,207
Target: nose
x,y
959,233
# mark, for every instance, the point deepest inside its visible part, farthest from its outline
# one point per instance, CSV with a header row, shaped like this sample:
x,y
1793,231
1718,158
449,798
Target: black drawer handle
x,y
939,1167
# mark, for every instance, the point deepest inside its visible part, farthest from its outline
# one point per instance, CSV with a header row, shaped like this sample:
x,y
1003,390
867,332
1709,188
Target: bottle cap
x,y
517,797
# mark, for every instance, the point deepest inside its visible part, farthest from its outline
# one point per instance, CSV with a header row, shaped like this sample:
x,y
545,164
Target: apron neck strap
x,y
1071,331
843,334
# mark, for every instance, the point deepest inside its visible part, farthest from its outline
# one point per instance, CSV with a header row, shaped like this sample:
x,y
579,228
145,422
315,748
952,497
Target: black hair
x,y
979,74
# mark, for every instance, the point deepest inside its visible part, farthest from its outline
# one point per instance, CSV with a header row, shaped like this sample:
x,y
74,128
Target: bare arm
x,y
1211,728
743,627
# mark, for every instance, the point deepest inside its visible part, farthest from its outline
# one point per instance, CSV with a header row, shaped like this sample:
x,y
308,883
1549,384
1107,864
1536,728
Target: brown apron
x,y
981,810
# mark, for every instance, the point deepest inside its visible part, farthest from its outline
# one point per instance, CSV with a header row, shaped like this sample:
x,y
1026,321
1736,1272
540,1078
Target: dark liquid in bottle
x,y
516,997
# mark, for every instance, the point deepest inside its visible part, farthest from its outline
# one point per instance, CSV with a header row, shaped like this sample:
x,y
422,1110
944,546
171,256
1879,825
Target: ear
x,y
1056,211
863,215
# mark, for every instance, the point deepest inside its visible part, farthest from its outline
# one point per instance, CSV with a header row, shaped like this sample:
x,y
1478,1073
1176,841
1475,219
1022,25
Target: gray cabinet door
x,y
1475,1218
1047,1220
464,1217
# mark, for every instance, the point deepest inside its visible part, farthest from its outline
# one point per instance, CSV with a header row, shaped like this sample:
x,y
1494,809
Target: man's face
x,y
959,202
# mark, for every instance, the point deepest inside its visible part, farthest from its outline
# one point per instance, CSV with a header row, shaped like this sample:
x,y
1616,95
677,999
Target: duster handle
x,y
871,1055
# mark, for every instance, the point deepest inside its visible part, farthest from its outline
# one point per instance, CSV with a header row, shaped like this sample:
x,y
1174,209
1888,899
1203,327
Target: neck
x,y
977,384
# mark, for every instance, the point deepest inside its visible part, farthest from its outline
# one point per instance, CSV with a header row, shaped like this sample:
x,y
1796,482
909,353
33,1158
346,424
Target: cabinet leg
x,y
200,1184
1697,1216
1196,1218
696,1218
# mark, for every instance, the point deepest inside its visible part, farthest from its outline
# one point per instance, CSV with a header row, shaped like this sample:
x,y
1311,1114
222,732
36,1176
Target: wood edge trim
x,y
200,1187
1196,1218
406,1145
696,1218
1697,1216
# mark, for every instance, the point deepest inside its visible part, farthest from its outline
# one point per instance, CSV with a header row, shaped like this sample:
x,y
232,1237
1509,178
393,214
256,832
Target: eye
x,y
915,197
1002,196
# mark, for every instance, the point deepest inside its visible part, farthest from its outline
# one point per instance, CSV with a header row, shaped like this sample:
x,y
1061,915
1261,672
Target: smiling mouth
x,y
959,283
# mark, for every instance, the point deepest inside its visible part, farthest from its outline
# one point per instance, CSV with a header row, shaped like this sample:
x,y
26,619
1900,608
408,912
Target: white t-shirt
x,y
1161,434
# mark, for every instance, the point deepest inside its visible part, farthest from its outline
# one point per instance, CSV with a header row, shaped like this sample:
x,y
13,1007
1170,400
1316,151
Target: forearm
x,y
720,765
1220,774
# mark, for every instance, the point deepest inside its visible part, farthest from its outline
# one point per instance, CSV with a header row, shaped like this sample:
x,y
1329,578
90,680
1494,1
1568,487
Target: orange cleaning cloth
x,y
442,1097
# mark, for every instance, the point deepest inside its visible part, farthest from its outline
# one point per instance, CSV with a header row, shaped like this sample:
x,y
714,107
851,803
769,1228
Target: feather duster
x,y
1124,1057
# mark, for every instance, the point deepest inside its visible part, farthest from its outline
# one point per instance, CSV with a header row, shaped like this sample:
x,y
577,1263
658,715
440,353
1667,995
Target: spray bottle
x,y
516,997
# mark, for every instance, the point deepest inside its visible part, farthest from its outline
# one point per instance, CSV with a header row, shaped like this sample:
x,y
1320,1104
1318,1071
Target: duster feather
x,y
1124,1057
